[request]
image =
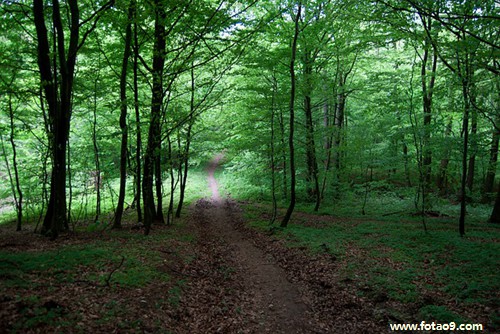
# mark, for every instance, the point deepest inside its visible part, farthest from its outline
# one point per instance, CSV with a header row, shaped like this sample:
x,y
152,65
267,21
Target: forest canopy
x,y
106,106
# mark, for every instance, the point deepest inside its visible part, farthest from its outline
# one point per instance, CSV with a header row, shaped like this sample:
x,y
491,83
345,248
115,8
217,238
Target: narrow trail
x,y
269,302
212,183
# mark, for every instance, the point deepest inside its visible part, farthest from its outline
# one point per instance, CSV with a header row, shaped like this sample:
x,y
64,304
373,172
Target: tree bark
x,y
58,97
137,123
57,76
291,205
427,92
159,218
184,159
97,177
312,164
123,118
153,144
19,198
495,214
13,189
283,154
465,129
473,150
338,123
273,150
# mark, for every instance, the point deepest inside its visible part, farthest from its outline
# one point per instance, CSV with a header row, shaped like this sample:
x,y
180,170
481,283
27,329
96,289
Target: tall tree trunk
x,y
329,133
312,164
465,129
291,206
283,154
328,139
19,198
153,145
11,182
184,159
97,176
406,159
123,118
137,122
473,150
57,82
184,169
58,101
273,151
427,92
338,124
170,158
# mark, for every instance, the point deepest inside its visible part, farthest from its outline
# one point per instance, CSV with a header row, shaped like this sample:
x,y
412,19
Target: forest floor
x,y
210,272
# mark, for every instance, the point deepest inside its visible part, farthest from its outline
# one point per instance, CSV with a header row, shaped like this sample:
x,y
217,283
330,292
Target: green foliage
x,y
440,314
91,262
35,314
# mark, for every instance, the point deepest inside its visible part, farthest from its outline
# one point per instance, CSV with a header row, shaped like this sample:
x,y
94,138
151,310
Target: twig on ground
x,y
113,271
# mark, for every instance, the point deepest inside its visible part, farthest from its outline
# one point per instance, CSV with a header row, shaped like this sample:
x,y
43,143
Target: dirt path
x,y
212,183
269,303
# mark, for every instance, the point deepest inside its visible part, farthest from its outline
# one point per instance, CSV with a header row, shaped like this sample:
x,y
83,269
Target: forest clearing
x,y
206,166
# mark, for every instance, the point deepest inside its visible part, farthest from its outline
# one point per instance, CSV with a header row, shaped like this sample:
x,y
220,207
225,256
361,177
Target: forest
x,y
204,166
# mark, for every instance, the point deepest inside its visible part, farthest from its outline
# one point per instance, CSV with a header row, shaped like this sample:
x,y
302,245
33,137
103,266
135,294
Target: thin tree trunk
x,y
427,92
96,155
170,211
11,182
19,198
137,122
406,159
465,129
338,125
283,154
291,206
473,150
313,190
184,159
159,218
123,118
272,146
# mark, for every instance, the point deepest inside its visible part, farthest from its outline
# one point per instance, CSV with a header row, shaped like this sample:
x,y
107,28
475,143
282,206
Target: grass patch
x,y
396,258
440,314
23,269
94,279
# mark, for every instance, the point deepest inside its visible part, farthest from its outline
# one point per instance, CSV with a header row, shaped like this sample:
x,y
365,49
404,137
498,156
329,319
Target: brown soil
x,y
269,303
267,288
232,279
